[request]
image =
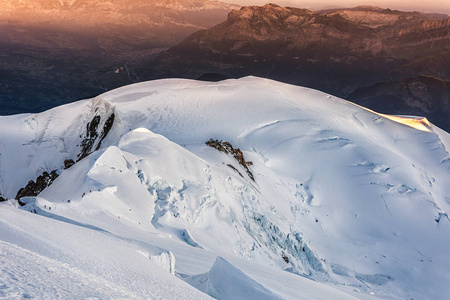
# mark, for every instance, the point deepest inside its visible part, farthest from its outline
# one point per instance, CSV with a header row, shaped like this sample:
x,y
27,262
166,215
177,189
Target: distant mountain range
x,y
134,13
337,51
55,52
285,42
59,51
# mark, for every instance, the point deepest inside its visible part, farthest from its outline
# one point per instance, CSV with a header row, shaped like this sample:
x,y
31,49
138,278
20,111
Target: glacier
x,y
326,199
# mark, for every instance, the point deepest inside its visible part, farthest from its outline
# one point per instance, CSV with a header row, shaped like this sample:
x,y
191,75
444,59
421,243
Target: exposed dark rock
x,y
68,163
234,169
2,199
92,137
34,188
106,128
237,154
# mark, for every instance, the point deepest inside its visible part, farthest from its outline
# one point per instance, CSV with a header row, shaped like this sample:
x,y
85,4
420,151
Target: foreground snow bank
x,y
45,258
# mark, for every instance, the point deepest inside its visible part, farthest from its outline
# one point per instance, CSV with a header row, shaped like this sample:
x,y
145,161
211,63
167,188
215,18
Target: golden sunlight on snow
x,y
418,123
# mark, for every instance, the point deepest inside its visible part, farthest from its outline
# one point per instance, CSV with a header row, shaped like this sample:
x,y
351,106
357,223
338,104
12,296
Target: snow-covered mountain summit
x,y
236,188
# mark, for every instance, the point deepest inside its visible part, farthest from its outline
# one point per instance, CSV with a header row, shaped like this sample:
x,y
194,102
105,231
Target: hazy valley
x,y
78,49
57,52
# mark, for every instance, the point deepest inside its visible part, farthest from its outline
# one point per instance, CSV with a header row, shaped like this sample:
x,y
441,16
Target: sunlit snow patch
x,y
418,123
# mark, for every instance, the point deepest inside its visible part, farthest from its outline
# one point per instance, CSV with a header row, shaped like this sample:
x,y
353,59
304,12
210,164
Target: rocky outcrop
x,y
87,143
95,129
105,130
33,188
68,163
102,119
227,148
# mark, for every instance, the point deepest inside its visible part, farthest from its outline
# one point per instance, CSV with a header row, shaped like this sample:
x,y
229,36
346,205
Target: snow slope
x,y
44,258
344,203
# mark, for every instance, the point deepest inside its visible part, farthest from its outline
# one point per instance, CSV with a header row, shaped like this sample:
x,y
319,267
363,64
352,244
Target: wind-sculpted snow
x,y
225,281
148,180
355,200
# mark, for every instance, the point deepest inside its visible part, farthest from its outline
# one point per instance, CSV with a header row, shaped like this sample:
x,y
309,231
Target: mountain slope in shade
x,y
278,180
411,96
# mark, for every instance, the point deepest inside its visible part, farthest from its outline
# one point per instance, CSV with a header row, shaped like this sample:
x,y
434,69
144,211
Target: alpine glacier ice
x,y
345,202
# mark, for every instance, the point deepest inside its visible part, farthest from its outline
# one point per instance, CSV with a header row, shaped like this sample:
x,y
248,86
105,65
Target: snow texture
x,y
343,202
225,281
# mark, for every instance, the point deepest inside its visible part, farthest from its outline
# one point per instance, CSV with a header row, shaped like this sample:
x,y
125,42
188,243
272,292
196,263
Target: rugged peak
x,y
374,17
360,16
269,12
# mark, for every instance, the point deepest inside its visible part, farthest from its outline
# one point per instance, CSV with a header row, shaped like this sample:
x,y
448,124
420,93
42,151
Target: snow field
x,y
342,195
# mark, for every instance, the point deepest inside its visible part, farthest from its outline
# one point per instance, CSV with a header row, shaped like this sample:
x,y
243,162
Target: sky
x,y
439,6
